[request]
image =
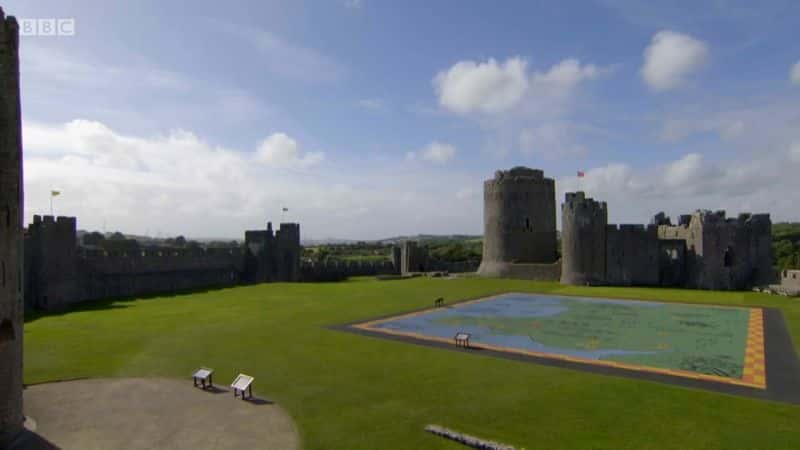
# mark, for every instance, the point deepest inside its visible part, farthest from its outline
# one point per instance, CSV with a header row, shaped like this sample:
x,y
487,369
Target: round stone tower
x,y
519,220
583,240
11,307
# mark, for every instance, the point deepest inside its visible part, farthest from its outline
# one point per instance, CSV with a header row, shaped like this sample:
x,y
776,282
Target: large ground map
x,y
713,343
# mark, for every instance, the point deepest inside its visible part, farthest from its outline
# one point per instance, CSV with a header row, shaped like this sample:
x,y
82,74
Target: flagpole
x,y
51,203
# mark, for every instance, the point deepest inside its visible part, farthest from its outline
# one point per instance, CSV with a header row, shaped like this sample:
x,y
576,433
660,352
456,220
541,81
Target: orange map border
x,y
754,374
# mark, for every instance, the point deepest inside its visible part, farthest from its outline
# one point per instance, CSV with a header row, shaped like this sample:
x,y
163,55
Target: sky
x,y
368,119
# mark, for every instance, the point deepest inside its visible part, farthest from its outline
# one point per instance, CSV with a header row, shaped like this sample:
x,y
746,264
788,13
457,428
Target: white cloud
x,y
568,74
755,184
482,87
353,4
279,150
178,183
435,152
671,58
690,170
493,88
794,73
521,108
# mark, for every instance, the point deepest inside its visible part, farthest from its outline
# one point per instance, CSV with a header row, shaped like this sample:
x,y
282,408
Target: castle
x,y
519,217
11,188
60,272
705,250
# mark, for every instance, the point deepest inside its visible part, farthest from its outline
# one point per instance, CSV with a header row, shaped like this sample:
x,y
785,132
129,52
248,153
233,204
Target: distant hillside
x,y
433,238
786,244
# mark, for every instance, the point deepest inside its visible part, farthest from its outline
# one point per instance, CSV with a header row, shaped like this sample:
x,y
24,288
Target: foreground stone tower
x,y
519,218
583,240
11,306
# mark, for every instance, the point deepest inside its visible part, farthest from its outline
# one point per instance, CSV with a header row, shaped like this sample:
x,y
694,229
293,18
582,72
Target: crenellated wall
x,y
705,250
340,270
632,255
724,253
61,273
111,275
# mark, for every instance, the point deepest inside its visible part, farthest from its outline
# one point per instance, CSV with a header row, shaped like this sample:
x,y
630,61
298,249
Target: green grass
x,y
347,391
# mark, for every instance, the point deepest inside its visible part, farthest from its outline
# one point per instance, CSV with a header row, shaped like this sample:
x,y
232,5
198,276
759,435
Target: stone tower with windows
x,y
583,240
519,218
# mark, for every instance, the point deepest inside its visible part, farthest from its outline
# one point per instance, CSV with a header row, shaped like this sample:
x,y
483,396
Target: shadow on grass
x,y
32,315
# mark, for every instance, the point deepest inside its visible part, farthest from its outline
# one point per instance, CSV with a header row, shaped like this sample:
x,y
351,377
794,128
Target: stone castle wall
x,y
340,270
632,255
413,258
11,250
725,253
61,273
705,250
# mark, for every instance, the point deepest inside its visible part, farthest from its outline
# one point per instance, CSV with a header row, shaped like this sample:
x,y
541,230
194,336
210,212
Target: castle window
x,y
728,257
6,333
527,223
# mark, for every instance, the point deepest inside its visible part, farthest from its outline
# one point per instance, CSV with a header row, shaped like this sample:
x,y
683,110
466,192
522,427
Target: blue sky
x,y
373,118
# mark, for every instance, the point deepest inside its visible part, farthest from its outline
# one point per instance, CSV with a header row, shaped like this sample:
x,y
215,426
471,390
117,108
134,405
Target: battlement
x,y
9,30
632,228
94,252
519,175
661,219
578,202
289,232
98,261
48,221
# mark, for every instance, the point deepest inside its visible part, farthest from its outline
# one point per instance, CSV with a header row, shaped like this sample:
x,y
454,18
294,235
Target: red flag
x,y
581,174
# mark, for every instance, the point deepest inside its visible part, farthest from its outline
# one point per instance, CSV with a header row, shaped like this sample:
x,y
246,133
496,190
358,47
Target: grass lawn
x,y
347,391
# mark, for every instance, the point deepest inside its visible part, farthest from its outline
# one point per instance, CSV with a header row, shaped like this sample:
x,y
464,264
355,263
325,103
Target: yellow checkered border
x,y
754,375
755,371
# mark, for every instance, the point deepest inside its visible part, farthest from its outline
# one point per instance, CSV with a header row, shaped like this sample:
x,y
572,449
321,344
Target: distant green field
x,y
347,391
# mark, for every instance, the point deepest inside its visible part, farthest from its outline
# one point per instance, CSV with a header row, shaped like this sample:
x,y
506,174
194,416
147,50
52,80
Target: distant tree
x,y
322,254
93,238
116,236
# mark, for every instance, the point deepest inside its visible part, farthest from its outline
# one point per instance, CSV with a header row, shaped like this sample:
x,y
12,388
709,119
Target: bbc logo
x,y
47,27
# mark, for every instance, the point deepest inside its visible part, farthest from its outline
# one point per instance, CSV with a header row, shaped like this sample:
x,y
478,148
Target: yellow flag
x,y
54,193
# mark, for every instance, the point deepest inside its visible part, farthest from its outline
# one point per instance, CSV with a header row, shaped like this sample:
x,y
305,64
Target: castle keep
x,y
61,272
11,306
519,218
705,250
